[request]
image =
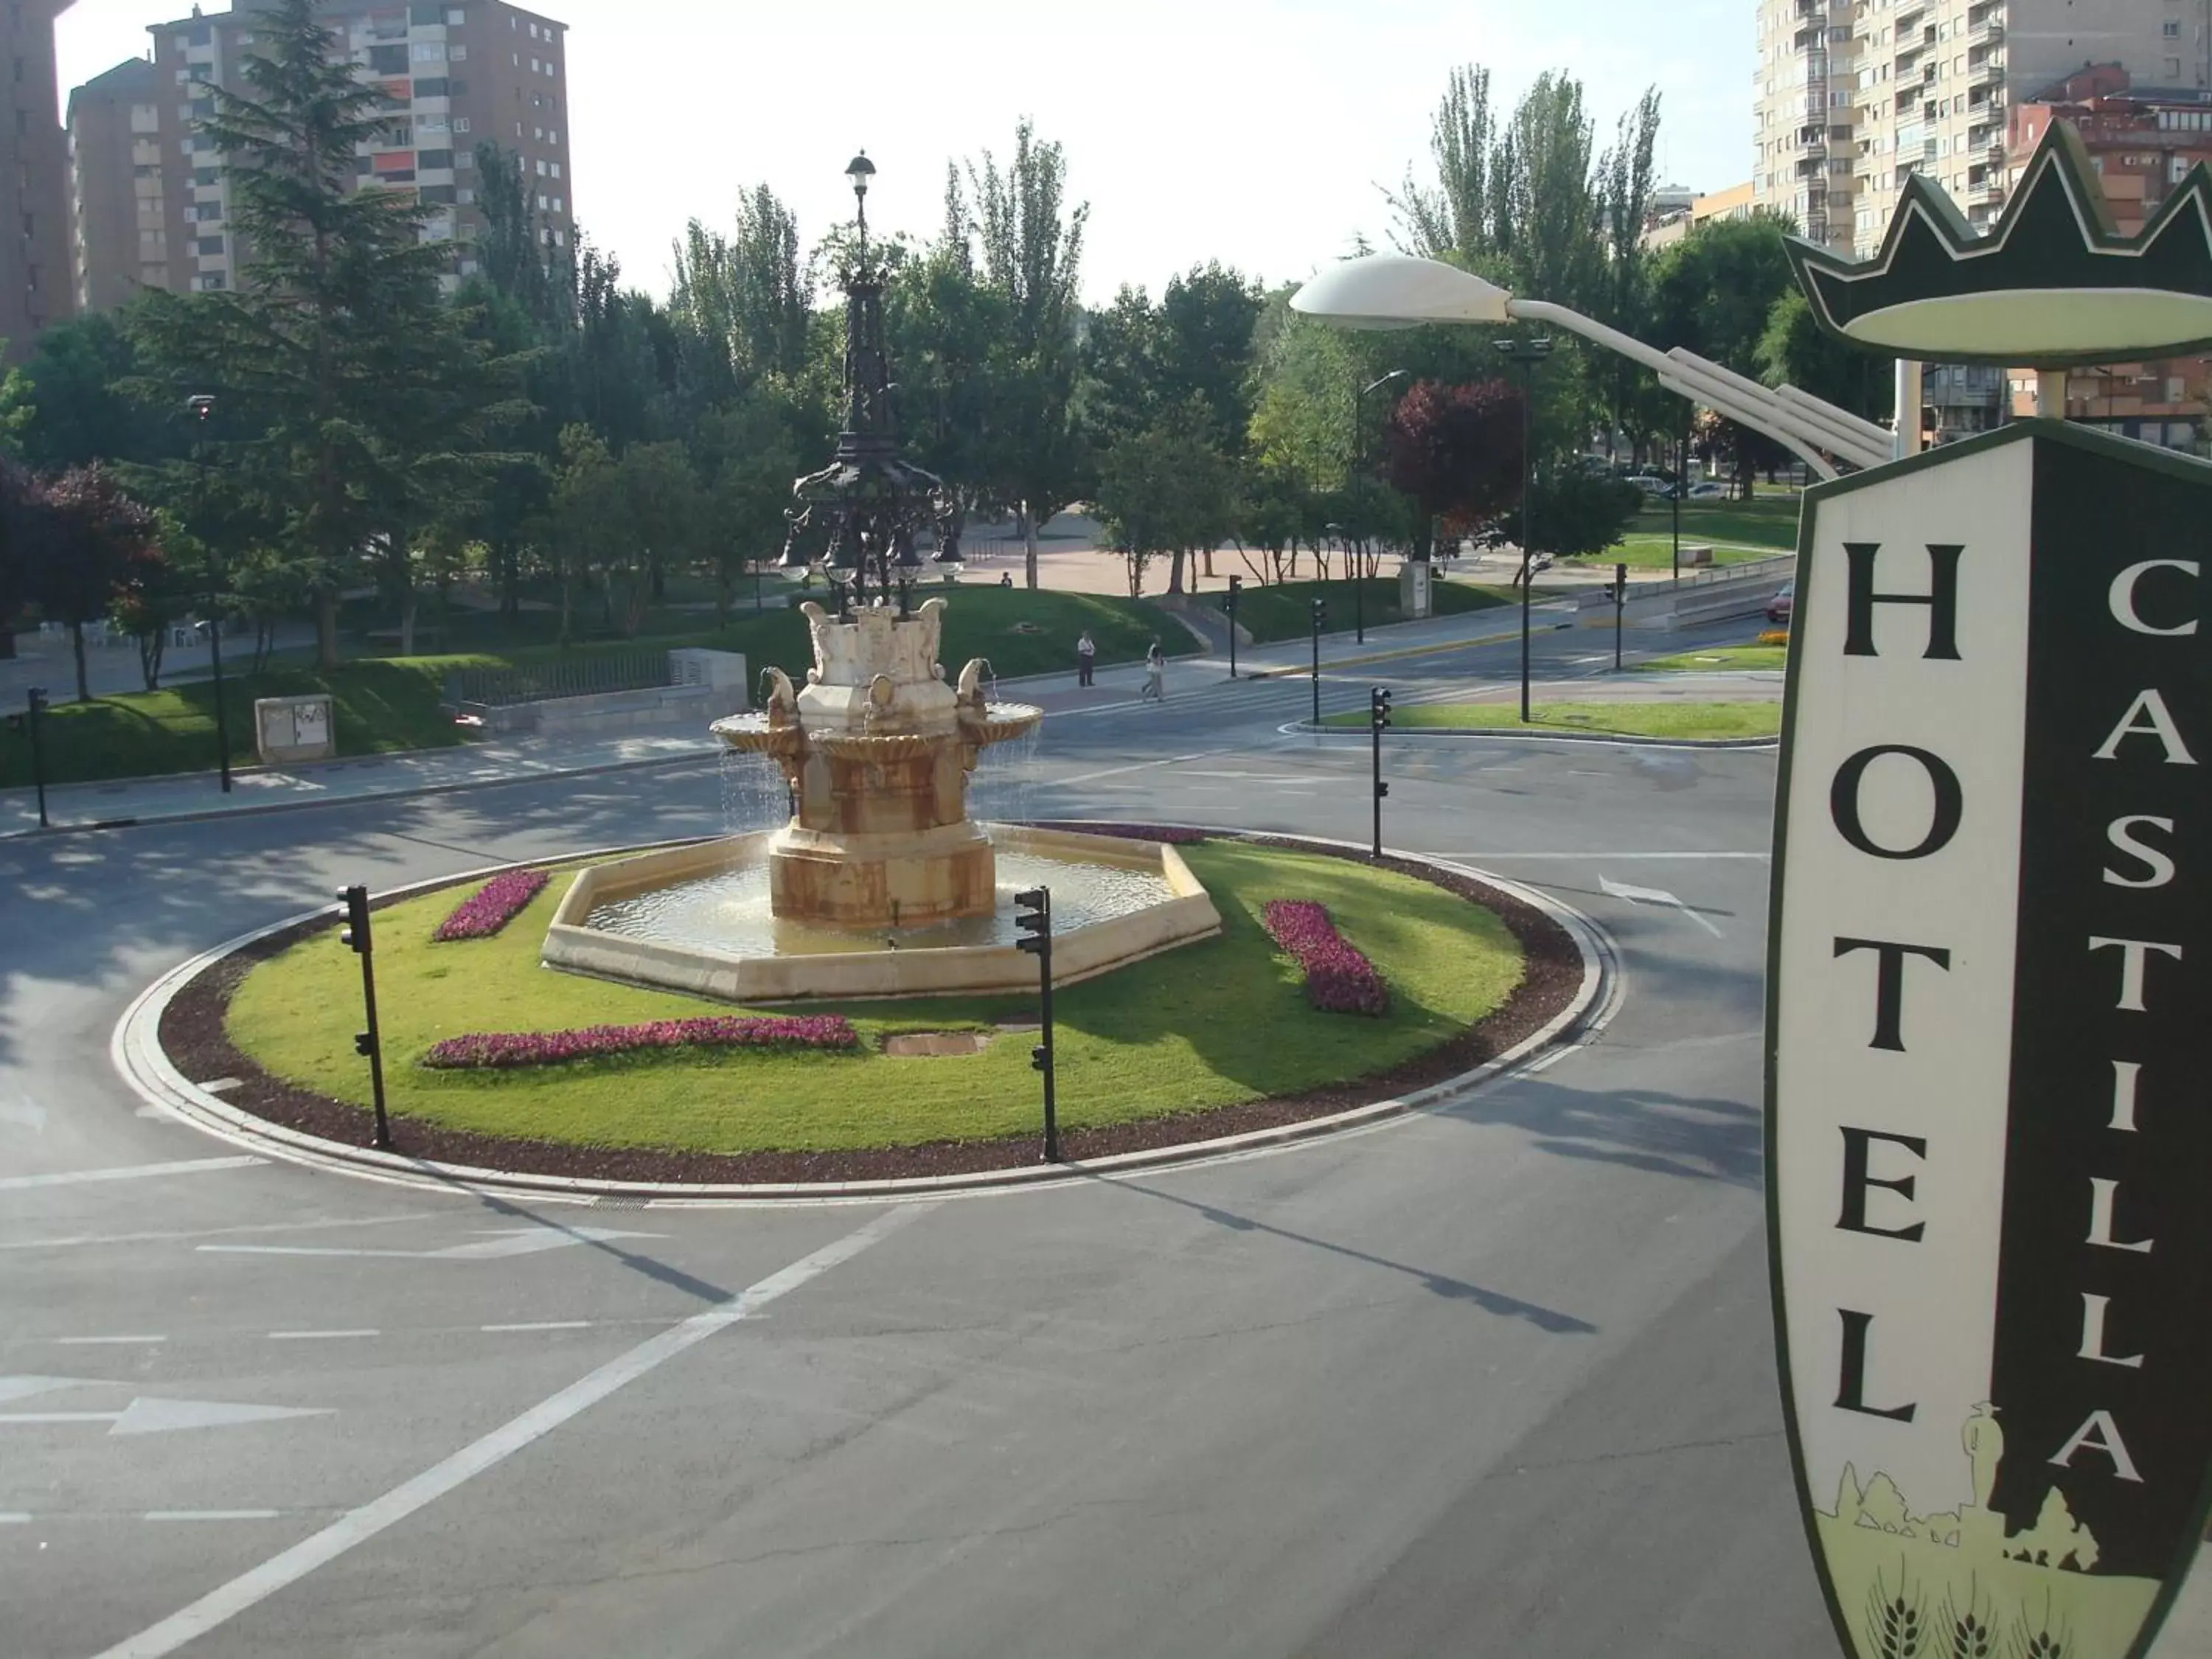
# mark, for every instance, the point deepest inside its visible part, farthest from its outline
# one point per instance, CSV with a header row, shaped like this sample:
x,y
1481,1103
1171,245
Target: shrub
x,y
1338,979
490,1050
1775,637
492,906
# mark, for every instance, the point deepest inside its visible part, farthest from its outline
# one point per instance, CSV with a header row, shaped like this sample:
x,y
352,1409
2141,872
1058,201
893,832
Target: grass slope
x,y
1684,720
384,703
1208,1025
1283,610
1720,659
1736,531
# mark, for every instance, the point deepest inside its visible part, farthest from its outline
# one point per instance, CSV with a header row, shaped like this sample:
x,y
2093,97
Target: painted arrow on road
x,y
1613,889
143,1416
499,1247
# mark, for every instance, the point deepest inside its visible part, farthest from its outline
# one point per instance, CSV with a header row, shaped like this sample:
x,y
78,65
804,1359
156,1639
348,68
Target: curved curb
x,y
136,1051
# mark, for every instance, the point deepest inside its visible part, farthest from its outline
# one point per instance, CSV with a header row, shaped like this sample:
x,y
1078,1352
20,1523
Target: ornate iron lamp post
x,y
859,515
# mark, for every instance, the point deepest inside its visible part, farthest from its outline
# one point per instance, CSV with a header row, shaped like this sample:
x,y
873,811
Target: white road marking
x,y
1652,896
24,1111
1140,766
146,1416
22,1387
356,1527
105,1341
542,1325
13,1518
131,1172
503,1243
317,1336
71,1244
212,1515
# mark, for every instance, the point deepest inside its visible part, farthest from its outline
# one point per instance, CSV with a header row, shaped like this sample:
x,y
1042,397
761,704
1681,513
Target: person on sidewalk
x,y
1086,654
1156,668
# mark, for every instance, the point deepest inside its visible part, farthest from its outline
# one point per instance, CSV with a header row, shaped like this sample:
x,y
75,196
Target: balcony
x,y
1990,72
1907,12
1989,33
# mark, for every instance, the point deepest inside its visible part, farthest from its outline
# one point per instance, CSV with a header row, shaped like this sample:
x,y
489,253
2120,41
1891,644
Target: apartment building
x,y
450,76
2143,140
1676,222
34,257
1852,97
116,241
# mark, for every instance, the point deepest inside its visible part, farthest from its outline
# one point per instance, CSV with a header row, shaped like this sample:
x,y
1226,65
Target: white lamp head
x,y
1396,291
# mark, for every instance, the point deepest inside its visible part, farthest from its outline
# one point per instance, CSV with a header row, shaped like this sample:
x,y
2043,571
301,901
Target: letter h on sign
x,y
1942,600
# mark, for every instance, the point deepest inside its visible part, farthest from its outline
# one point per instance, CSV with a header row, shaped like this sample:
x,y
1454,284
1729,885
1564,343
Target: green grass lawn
x,y
1283,610
1208,1025
1720,659
1634,719
1644,552
1765,521
385,703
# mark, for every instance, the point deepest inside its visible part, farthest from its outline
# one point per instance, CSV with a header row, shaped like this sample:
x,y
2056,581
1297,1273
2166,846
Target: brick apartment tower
x,y
453,75
116,246
35,270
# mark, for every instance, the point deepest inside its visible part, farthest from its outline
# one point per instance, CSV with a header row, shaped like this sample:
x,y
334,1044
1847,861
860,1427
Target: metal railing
x,y
582,677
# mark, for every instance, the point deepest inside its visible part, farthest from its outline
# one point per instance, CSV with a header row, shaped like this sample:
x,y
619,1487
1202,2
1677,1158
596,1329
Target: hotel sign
x,y
1990,1044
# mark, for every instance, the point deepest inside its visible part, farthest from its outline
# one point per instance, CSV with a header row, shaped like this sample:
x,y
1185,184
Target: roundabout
x,y
906,1094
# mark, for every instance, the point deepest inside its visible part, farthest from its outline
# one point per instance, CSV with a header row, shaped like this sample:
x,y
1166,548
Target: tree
x,y
746,455
337,348
1032,249
1455,451
1166,489
1206,319
154,592
85,542
1579,514
1713,292
589,516
76,408
1795,351
1457,215
742,302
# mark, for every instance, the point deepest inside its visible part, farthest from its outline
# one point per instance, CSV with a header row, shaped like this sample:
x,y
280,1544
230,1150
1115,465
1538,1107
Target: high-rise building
x,y
451,76
117,245
1851,97
34,259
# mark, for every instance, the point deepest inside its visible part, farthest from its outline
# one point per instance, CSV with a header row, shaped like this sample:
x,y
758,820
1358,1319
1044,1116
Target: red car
x,y
1779,607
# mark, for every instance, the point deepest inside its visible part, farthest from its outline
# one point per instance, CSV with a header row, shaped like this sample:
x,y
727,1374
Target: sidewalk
x,y
184,797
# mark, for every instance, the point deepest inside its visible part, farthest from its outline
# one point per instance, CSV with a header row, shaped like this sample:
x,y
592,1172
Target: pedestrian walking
x,y
1155,669
1086,654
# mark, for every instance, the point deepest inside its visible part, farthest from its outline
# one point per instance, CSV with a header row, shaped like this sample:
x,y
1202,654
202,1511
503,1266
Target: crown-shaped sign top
x,y
2052,283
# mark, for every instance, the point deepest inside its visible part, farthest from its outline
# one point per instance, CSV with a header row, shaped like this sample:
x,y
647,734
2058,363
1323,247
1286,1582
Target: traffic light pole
x,y
1378,722
1320,616
369,1044
1620,604
1033,925
1236,589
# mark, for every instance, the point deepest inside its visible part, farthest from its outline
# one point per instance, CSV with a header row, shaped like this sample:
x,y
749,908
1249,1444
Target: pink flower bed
x,y
1338,979
484,1050
492,906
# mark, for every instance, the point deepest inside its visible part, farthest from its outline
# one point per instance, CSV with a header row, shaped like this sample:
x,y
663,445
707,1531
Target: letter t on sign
x,y
1889,983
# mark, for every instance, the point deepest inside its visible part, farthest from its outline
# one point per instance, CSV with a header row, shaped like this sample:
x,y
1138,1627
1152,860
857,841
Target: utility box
x,y
1413,579
722,671
290,729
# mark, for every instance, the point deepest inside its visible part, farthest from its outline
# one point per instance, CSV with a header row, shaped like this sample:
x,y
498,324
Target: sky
x,y
1251,132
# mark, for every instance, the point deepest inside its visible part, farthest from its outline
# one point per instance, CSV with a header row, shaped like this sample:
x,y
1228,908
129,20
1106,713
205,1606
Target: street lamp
x,y
1358,465
1397,290
201,407
1527,352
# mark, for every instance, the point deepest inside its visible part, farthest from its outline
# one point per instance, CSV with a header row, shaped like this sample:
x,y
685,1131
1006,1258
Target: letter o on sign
x,y
1843,801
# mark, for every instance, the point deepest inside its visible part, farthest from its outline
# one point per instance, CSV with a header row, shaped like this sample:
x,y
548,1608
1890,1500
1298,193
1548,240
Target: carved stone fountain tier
x,y
877,750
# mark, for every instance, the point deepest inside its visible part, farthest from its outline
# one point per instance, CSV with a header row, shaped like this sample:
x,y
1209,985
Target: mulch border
x,y
191,1034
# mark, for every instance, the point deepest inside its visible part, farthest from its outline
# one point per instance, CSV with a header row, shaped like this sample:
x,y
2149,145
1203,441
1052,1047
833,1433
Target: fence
x,y
584,677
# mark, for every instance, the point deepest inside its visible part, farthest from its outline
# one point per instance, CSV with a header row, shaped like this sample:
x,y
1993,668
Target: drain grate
x,y
619,1201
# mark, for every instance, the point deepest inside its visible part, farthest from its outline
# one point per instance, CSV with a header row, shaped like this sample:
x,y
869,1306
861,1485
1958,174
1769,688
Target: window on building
x,y
459,54
553,137
465,196
541,166
559,206
208,244
2172,28
549,66
539,133
361,167
212,280
426,17
438,195
554,169
431,159
460,88
387,60
460,123
517,57
533,66
455,17
204,177
541,205
437,126
199,34
533,31
427,52
2173,67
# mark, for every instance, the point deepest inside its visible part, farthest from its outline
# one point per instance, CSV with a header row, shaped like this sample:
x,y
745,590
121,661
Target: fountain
x,y
880,884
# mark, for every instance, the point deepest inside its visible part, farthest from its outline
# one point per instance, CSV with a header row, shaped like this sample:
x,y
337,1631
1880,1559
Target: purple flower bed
x,y
492,906
1338,979
483,1050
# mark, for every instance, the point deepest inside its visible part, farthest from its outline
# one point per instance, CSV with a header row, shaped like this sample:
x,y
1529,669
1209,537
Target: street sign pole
x,y
369,1044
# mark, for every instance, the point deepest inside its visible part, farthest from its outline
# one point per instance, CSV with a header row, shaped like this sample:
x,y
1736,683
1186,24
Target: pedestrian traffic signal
x,y
37,700
1041,1059
355,936
364,1044
1033,920
1236,589
1378,709
1320,614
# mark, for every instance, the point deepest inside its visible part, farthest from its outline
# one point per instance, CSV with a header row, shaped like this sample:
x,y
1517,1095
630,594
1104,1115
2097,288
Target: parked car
x,y
1707,492
1779,607
1650,484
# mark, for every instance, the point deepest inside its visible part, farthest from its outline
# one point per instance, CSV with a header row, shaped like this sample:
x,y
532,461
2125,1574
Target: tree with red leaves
x,y
1455,451
84,543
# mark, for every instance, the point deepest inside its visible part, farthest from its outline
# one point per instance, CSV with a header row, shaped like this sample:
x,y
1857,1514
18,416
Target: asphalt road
x,y
1494,1380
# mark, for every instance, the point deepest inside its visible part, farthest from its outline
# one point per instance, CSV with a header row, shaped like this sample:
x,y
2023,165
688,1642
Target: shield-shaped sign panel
x,y
1990,1033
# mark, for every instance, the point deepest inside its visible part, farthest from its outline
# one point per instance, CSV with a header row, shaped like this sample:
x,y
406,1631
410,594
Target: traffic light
x,y
1033,920
1378,709
1320,614
1040,1059
37,700
355,936
1235,591
364,1044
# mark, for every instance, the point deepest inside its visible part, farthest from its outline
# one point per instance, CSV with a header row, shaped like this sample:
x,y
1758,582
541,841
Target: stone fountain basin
x,y
1078,953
